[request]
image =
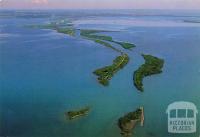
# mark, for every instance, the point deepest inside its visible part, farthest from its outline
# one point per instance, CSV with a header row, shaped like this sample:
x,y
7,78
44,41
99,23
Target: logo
x,y
182,117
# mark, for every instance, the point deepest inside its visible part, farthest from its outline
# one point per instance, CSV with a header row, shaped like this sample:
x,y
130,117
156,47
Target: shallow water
x,y
44,74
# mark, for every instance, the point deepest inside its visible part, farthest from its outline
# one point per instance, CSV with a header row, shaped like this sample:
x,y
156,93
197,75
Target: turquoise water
x,y
44,74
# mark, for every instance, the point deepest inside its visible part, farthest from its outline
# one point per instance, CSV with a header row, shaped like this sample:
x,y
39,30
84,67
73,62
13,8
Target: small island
x,y
77,113
106,73
130,120
153,65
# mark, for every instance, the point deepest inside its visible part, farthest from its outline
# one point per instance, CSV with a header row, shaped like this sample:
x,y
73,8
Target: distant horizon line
x,y
94,9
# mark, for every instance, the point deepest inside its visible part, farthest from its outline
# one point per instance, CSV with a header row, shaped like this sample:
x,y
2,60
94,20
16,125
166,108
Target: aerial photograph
x,y
99,68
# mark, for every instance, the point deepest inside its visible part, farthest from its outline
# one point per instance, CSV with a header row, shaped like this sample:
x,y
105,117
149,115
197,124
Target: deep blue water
x,y
44,73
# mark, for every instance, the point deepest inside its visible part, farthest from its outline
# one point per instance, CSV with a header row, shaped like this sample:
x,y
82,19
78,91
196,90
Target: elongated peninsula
x,y
152,65
106,73
92,35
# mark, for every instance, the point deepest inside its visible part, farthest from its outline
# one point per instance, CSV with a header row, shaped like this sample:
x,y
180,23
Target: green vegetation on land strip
x,y
192,21
106,73
125,45
129,121
98,39
85,32
59,27
45,26
68,31
77,113
152,65
91,35
107,45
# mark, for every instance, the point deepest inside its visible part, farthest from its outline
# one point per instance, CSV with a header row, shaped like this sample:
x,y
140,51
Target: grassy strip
x,y
85,32
90,34
153,65
107,45
77,113
106,73
125,45
46,26
98,39
68,31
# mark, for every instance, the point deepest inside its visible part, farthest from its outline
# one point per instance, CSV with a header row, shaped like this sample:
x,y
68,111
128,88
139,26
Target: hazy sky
x,y
102,4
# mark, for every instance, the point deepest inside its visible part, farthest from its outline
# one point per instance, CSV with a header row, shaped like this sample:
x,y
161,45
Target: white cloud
x,y
40,1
